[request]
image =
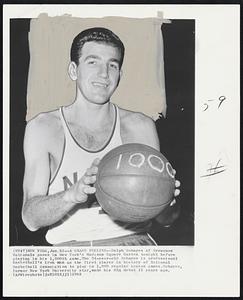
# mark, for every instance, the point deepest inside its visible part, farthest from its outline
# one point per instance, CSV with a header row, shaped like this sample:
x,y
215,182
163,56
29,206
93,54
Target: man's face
x,y
98,72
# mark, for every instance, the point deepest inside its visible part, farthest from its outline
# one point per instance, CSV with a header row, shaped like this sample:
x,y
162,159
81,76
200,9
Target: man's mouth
x,y
100,84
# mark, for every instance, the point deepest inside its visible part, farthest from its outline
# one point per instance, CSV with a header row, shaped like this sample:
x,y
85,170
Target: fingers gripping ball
x,y
134,183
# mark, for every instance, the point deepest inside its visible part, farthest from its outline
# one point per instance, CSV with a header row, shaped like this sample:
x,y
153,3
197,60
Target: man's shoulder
x,y
43,132
136,127
134,118
46,122
44,129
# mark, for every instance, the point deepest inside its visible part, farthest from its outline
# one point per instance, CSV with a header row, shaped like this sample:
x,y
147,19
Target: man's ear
x,y
121,73
72,71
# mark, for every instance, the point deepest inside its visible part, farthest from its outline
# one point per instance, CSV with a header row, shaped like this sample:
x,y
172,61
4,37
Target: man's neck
x,y
88,114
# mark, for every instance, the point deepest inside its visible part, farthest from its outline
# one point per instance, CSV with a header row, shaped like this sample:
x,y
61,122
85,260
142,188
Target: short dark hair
x,y
95,34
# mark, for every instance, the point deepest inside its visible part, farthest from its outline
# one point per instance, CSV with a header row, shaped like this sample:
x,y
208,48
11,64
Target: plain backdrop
x,y
176,132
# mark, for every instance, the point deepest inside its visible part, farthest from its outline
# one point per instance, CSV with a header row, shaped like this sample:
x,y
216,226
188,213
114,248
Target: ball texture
x,y
134,183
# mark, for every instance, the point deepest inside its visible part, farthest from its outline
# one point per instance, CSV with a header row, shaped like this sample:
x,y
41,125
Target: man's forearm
x,y
42,211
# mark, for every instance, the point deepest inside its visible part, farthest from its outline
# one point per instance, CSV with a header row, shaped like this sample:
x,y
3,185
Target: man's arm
x,y
144,131
39,209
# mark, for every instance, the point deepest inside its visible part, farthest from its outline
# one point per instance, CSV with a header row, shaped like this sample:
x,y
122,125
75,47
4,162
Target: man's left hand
x,y
172,212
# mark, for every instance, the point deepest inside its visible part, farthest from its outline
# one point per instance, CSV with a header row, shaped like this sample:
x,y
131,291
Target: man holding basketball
x,y
62,150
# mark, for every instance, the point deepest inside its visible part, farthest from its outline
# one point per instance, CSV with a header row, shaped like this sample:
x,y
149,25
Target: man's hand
x,y
78,193
177,190
170,213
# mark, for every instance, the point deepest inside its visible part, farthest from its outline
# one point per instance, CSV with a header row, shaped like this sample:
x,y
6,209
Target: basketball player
x,y
62,150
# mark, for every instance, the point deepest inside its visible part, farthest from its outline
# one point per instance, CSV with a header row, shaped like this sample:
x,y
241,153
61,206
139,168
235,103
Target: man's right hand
x,y
78,193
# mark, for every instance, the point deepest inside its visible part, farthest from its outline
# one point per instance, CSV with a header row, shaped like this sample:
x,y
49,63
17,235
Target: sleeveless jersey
x,y
86,221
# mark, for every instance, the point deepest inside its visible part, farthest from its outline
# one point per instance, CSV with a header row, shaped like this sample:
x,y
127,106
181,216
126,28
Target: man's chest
x,y
91,140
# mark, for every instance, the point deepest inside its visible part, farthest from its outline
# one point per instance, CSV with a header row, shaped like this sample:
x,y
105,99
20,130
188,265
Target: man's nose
x,y
103,71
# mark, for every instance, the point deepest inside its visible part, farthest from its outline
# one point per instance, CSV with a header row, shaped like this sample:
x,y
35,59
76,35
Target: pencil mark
x,y
221,99
214,170
207,106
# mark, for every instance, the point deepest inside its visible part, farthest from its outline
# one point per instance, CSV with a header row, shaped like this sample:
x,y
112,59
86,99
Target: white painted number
x,y
161,169
139,164
170,170
137,160
119,161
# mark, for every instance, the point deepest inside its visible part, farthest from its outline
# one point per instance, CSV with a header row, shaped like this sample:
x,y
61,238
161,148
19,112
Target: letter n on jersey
x,y
67,182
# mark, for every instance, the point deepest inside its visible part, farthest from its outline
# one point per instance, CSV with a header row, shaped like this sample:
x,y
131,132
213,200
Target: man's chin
x,y
99,101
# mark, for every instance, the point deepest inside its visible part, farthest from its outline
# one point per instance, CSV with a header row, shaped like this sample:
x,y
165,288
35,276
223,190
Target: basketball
x,y
134,183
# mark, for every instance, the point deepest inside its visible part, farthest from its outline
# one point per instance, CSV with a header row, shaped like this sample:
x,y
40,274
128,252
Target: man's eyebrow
x,y
115,60
91,56
97,57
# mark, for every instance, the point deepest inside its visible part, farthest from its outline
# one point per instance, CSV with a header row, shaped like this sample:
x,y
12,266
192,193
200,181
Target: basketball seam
x,y
136,175
129,204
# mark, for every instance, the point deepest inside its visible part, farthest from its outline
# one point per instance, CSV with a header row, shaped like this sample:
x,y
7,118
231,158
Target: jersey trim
x,y
60,163
106,143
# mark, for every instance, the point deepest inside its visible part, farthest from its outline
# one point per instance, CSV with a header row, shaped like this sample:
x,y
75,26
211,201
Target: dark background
x,y
176,132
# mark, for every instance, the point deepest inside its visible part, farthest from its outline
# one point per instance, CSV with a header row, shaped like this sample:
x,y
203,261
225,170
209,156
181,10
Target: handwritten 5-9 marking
x,y
221,99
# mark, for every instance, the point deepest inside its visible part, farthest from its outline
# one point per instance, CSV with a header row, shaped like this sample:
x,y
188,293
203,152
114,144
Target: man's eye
x,y
114,66
92,62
